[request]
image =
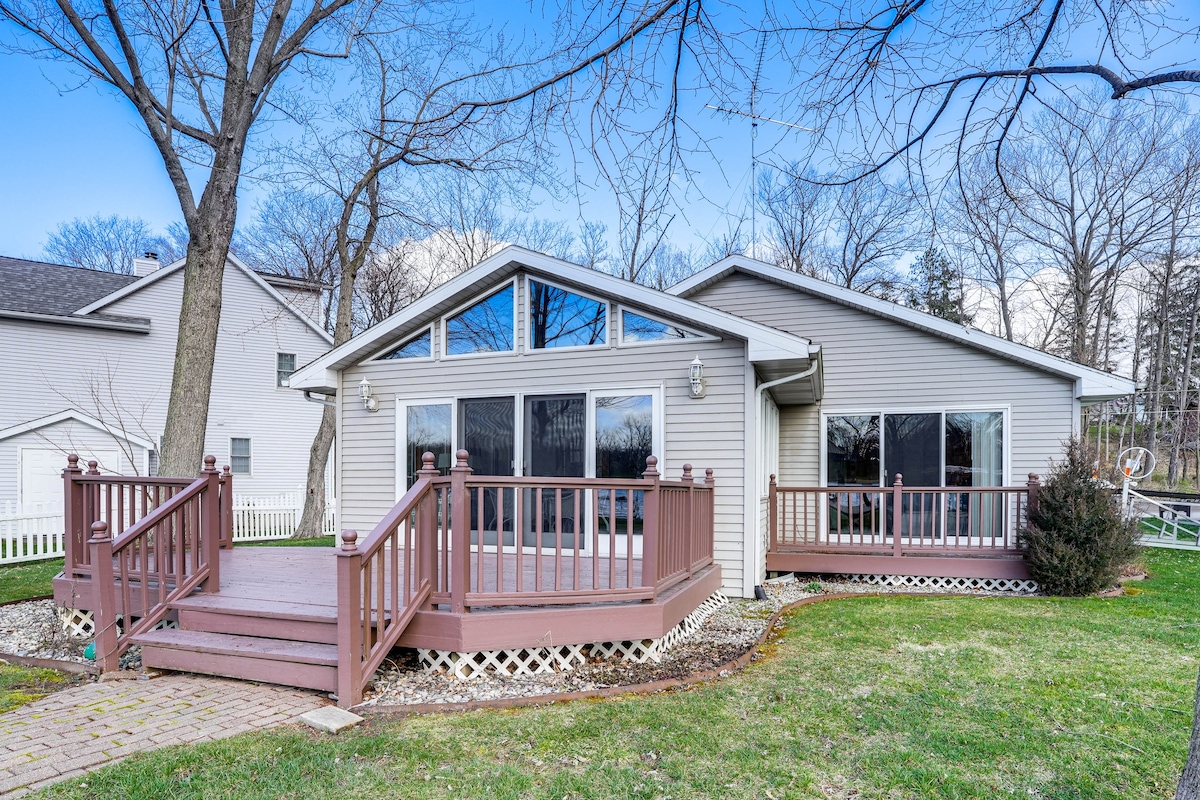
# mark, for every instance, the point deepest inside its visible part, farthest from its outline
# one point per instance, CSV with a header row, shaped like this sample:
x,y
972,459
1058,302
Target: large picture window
x,y
485,327
558,318
932,449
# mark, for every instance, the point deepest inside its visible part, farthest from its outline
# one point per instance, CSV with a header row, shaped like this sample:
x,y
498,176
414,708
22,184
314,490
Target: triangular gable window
x,y
637,328
558,318
420,346
485,327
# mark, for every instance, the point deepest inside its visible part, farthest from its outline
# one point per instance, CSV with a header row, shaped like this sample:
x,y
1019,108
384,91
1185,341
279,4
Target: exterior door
x,y
555,446
487,432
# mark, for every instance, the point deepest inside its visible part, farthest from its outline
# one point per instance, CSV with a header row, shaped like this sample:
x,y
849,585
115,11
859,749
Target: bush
x,y
1078,540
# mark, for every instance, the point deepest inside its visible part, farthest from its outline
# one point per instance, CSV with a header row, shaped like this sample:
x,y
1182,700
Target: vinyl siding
x,y
706,432
62,438
125,378
873,363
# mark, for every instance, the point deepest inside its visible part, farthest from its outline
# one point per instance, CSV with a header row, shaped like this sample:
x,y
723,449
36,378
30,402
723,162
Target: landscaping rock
x,y
33,629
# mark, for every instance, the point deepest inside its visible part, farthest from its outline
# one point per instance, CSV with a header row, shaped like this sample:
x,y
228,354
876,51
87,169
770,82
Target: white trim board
x,y
171,269
1092,385
764,343
77,416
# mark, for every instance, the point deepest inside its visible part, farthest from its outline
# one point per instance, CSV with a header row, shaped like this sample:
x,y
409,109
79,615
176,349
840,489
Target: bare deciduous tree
x,y
108,244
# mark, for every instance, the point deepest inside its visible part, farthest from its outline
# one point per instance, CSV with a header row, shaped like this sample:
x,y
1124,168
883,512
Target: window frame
x,y
278,384
402,406
250,442
942,411
415,334
528,337
623,342
444,323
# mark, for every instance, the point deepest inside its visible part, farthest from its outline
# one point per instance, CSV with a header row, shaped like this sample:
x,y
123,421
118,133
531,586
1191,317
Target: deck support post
x,y
460,527
689,519
349,625
74,534
209,535
772,516
425,539
650,524
104,615
897,513
226,508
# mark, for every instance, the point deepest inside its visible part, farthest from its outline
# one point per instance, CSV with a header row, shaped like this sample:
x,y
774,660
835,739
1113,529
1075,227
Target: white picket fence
x,y
31,533
273,517
34,533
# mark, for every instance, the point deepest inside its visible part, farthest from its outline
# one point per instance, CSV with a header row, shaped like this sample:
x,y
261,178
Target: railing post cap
x,y
899,480
428,461
93,467
225,473
99,531
651,467
460,459
687,471
349,541
709,472
1033,477
708,476
210,464
73,463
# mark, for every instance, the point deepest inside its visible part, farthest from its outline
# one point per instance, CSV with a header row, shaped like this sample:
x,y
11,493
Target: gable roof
x,y
138,284
37,287
77,416
1091,385
765,344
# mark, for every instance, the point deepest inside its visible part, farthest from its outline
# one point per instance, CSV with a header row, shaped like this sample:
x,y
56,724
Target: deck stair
x,y
291,644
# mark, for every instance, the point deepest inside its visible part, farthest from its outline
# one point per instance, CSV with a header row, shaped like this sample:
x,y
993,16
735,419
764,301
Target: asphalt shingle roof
x,y
35,287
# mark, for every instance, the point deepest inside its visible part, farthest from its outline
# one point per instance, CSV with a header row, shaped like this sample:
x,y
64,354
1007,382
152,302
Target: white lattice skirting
x,y
563,658
80,624
950,584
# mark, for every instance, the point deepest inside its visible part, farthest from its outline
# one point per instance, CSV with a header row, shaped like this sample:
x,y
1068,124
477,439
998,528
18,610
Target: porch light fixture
x,y
364,392
696,377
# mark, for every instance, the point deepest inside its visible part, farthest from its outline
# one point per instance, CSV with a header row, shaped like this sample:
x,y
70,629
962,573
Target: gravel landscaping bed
x,y
33,629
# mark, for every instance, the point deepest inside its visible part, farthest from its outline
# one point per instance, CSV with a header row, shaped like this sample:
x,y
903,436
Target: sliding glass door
x,y
555,436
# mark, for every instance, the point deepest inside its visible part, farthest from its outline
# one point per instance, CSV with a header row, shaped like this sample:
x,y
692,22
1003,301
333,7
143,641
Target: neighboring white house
x,y
543,368
86,360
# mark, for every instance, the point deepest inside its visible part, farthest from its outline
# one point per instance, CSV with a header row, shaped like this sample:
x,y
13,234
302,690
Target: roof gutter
x,y
79,322
762,387
324,400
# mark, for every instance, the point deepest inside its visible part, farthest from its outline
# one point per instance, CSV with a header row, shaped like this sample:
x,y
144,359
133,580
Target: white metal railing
x,y
31,532
1163,524
273,516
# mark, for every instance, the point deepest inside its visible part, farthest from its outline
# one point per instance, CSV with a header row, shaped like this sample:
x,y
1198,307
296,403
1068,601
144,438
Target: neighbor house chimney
x,y
145,265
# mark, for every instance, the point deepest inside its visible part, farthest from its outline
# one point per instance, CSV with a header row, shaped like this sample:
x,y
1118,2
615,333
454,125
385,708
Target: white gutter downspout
x,y
323,399
761,434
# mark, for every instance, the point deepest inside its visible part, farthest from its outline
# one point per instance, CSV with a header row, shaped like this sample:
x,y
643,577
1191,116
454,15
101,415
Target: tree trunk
x,y
1189,782
199,321
312,519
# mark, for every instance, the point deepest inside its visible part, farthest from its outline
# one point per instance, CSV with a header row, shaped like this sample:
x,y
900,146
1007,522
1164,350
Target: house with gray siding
x,y
87,363
844,433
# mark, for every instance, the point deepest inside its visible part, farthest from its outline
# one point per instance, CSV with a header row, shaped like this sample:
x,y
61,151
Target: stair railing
x,y
166,555
383,582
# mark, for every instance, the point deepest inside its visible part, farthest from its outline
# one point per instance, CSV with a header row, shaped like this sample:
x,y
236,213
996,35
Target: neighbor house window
x,y
486,327
558,318
636,328
285,365
417,347
239,456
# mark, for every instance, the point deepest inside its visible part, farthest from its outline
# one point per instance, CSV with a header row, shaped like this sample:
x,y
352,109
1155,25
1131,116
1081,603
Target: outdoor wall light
x,y
364,392
696,377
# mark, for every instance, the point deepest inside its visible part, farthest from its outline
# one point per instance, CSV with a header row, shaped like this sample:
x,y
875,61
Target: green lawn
x,y
21,685
888,697
31,579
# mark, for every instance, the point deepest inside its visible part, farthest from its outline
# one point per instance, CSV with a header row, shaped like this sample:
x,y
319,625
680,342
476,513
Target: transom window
x,y
559,318
420,346
636,328
485,327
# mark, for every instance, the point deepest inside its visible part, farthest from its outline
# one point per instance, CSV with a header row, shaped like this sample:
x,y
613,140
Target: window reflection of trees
x,y
418,347
852,451
624,435
486,327
558,318
636,328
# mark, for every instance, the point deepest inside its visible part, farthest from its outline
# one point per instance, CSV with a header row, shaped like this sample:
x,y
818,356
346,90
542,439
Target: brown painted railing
x,y
953,520
383,583
169,552
458,542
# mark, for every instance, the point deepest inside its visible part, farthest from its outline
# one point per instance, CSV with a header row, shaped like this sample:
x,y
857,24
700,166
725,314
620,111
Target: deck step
x,y
263,619
288,663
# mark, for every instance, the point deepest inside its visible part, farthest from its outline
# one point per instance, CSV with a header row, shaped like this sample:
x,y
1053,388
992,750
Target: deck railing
x,y
461,541
170,551
939,520
119,501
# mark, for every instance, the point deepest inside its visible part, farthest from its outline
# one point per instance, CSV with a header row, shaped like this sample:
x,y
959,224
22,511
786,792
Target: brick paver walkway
x,y
67,733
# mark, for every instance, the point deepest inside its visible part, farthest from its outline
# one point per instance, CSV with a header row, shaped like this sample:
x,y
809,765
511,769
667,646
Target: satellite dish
x,y
1136,463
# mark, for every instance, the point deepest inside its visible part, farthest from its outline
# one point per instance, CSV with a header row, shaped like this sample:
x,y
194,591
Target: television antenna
x,y
754,120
